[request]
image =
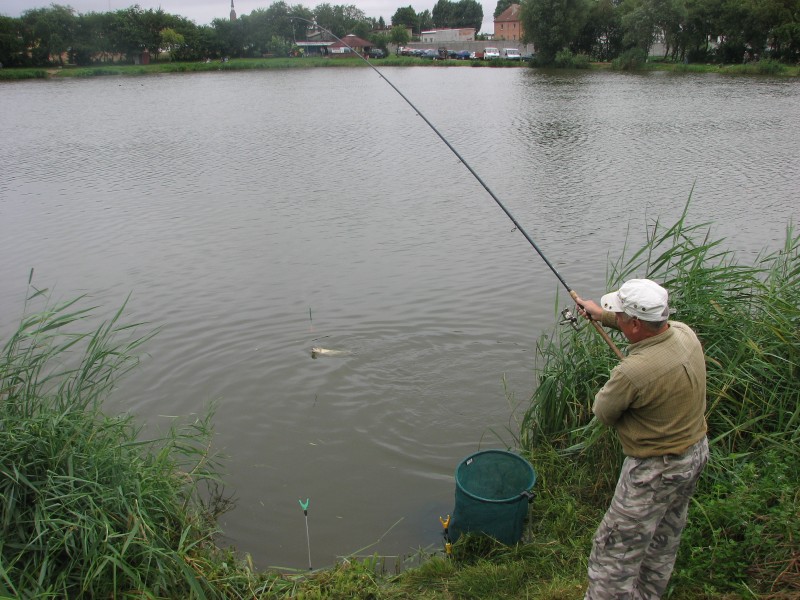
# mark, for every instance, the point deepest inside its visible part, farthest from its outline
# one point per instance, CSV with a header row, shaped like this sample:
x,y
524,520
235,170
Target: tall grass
x,y
748,319
88,509
747,316
16,74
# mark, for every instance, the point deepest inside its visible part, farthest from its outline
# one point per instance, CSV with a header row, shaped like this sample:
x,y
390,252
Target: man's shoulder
x,y
661,353
679,325
683,331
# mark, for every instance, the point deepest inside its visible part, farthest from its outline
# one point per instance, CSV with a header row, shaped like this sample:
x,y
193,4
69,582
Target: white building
x,y
438,36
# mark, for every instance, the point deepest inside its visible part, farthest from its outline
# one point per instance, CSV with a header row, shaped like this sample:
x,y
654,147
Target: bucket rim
x,y
508,500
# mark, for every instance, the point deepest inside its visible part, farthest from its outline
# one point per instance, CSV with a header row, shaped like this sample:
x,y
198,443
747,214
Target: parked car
x,y
490,53
376,53
430,54
463,55
528,57
477,55
511,54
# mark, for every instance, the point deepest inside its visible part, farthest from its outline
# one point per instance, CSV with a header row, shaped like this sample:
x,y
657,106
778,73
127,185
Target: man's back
x,y
656,397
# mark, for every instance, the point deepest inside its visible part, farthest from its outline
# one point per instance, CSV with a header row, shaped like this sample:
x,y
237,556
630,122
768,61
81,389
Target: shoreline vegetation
x,y
91,510
764,67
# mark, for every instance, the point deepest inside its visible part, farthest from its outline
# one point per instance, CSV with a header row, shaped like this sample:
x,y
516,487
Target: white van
x,y
489,53
511,54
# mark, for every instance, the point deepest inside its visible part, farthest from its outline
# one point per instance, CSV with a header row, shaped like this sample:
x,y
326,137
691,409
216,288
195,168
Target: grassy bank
x,y
237,64
240,64
91,510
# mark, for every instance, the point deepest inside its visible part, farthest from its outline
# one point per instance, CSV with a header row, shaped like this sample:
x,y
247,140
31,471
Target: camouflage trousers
x,y
634,549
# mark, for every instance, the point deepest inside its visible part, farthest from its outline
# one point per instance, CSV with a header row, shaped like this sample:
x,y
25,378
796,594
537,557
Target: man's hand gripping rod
x,y
603,333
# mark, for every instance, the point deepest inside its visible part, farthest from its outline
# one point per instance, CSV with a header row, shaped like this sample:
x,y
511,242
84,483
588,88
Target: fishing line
x,y
485,186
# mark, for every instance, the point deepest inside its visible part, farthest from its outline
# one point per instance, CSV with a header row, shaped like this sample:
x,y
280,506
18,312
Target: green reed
x,y
88,509
747,510
747,316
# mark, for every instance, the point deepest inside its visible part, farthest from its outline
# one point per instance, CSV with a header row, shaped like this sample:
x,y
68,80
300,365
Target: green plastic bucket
x,y
493,489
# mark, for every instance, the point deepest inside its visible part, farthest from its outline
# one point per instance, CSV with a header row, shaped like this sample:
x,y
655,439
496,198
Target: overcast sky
x,y
202,12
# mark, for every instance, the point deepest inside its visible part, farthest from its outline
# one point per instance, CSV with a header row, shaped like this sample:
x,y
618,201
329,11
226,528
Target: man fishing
x,y
656,400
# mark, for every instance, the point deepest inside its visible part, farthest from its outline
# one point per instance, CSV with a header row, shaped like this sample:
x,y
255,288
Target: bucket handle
x,y
529,495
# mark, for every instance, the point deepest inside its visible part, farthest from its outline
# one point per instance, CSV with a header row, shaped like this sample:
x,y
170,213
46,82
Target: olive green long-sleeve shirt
x,y
656,397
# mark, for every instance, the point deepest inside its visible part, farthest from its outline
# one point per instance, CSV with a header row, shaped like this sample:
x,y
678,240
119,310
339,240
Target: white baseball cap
x,y
639,298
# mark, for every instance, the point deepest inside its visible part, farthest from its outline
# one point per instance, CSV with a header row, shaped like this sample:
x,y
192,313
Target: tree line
x,y
43,36
725,31
445,15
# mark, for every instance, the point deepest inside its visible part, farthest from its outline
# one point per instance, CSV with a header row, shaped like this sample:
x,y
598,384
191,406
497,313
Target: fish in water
x,y
317,351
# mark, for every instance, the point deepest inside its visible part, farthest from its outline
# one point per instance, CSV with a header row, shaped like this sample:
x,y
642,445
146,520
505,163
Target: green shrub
x,y
769,66
630,60
565,59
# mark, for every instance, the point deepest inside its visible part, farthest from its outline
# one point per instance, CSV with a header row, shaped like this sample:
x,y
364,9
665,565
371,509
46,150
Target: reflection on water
x,y
255,215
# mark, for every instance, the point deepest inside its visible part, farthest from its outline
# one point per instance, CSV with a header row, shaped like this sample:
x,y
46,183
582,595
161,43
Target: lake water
x,y
253,215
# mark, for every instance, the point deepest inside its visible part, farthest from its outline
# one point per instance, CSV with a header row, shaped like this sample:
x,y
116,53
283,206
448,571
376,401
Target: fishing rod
x,y
603,333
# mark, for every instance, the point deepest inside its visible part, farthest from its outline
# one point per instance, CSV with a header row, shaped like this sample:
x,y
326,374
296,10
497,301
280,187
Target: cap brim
x,y
612,302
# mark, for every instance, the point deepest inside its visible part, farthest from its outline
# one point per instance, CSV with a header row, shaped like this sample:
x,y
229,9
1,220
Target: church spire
x,y
233,12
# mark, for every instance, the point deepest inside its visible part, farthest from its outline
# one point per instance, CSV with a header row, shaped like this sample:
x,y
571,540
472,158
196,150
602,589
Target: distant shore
x,y
319,62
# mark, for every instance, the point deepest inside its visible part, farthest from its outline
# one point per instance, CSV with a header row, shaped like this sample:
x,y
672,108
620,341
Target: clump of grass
x,y
18,74
765,66
88,509
745,526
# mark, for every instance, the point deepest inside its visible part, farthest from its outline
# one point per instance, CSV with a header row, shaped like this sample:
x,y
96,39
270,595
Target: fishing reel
x,y
568,317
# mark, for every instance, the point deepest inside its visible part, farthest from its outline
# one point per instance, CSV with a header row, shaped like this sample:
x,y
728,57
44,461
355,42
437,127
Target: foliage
x,y
456,15
565,59
15,74
746,524
630,60
339,19
399,36
425,20
639,22
407,18
695,31
769,66
601,35
89,510
501,7
171,41
48,31
12,45
278,46
552,25
50,35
